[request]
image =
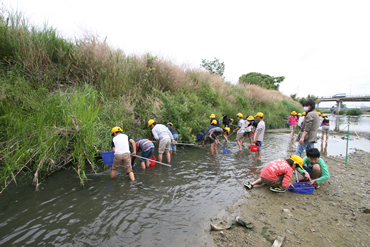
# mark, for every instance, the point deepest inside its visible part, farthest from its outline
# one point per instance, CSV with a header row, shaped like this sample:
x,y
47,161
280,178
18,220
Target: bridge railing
x,y
347,96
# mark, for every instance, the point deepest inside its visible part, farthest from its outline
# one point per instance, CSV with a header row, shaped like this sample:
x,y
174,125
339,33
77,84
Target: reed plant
x,y
59,99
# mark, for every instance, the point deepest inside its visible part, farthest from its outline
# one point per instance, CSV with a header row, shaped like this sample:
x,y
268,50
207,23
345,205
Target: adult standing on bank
x,y
308,133
293,120
121,149
175,135
260,132
162,134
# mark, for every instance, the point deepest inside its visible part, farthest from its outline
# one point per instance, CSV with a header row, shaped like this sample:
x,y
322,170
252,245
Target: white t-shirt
x,y
261,130
300,121
241,125
161,132
121,144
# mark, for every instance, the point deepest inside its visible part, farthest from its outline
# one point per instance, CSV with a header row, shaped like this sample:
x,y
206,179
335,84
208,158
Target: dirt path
x,y
337,214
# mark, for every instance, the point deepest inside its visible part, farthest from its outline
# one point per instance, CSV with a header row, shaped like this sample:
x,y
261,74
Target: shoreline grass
x,y
59,99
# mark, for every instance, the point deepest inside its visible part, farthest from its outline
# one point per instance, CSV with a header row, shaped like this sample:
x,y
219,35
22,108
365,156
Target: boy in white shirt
x,y
121,149
162,134
240,130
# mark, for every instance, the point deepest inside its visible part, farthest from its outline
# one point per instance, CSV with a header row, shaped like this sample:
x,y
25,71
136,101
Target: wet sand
x,y
336,214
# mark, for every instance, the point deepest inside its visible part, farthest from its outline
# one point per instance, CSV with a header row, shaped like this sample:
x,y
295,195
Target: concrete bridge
x,y
339,98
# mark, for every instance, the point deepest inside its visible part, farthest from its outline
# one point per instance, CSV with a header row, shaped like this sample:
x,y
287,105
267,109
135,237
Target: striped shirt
x,y
145,145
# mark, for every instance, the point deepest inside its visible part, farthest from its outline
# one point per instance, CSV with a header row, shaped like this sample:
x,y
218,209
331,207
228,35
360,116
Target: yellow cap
x,y
299,114
297,160
250,118
169,123
260,114
212,116
239,115
324,115
115,129
293,113
228,129
304,113
214,122
319,113
150,122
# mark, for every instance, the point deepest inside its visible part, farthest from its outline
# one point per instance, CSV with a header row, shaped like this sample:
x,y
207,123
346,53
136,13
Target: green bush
x,y
354,112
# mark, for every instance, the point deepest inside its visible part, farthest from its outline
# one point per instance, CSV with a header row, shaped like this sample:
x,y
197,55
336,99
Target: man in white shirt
x,y
241,130
162,134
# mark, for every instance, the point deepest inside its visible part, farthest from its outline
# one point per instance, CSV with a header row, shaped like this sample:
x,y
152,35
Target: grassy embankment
x,y
59,99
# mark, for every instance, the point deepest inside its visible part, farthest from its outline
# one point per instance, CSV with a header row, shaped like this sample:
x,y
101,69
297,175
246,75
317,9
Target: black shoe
x,y
277,189
248,185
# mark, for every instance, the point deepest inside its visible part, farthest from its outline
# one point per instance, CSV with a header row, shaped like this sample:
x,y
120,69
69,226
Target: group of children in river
x,y
247,128
279,172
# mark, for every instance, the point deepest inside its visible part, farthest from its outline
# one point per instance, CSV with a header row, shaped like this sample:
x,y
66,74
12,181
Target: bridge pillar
x,y
339,104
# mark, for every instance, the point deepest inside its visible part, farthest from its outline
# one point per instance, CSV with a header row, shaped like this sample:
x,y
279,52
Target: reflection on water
x,y
165,206
358,123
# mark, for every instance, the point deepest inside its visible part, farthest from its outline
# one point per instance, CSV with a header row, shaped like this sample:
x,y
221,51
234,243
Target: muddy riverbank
x,y
337,214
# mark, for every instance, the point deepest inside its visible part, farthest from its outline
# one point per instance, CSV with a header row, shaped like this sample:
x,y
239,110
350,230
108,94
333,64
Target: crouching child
x,y
278,172
213,137
314,168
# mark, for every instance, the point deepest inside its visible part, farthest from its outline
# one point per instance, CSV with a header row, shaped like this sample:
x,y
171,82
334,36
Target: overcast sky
x,y
321,47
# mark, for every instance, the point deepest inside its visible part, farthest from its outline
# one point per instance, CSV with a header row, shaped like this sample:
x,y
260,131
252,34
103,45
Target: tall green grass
x,y
60,98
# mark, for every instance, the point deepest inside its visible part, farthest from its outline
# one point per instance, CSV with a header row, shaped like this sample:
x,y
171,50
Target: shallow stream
x,y
165,206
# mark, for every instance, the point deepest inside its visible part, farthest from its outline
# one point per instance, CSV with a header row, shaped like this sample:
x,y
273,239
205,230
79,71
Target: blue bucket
x,y
108,157
302,188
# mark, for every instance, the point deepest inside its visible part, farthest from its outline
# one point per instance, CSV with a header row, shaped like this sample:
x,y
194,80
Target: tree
x,y
214,67
262,80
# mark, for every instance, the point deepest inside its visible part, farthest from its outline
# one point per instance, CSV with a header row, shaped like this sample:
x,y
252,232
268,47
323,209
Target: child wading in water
x,y
278,172
121,149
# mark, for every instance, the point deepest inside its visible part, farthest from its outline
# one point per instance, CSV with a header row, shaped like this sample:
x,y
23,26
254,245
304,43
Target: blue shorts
x,y
304,147
259,146
310,171
148,154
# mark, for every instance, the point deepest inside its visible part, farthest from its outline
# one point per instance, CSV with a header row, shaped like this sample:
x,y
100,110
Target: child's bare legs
x,y
259,155
147,163
142,164
316,171
214,148
291,135
132,176
113,173
168,157
240,144
160,156
258,181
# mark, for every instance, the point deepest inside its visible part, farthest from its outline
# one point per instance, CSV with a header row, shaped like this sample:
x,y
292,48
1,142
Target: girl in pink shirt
x,y
278,172
293,120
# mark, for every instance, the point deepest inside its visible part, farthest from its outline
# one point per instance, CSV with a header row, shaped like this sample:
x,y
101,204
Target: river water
x,y
165,206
